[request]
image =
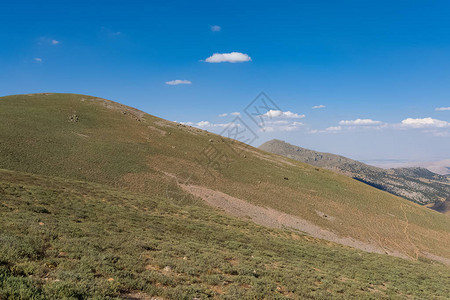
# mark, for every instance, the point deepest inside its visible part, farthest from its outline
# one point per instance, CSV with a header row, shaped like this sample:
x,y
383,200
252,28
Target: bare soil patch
x,y
272,218
160,131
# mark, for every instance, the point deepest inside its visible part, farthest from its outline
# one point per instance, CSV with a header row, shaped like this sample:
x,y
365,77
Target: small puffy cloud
x,y
333,128
442,108
280,126
282,114
360,122
424,123
216,28
177,82
38,59
206,124
230,114
318,106
233,57
44,41
292,126
278,122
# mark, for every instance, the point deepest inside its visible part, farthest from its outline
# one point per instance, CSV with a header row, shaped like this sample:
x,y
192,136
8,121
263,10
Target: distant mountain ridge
x,y
441,167
415,184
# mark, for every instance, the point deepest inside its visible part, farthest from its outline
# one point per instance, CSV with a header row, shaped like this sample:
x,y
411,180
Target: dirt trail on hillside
x,y
272,218
405,231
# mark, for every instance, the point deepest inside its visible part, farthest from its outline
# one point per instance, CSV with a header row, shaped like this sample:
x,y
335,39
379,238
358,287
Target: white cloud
x,y
292,126
424,123
43,41
318,106
428,125
178,81
442,108
360,122
280,125
278,122
38,59
230,114
232,57
206,124
334,128
216,28
282,114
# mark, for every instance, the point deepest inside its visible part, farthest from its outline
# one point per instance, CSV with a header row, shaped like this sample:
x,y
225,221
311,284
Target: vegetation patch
x,y
103,243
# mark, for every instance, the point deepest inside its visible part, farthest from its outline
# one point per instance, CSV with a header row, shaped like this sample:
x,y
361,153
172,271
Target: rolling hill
x,y
102,200
415,184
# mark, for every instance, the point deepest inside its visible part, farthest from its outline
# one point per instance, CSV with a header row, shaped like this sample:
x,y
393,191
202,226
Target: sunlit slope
x,y
68,239
86,138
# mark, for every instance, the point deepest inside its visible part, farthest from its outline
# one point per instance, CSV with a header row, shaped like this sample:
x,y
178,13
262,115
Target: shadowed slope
x,y
442,206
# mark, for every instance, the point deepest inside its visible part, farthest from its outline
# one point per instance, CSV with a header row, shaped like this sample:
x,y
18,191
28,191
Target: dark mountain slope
x,y
442,206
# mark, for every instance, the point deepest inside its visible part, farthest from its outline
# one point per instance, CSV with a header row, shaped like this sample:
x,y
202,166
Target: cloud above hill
x,y
233,57
280,126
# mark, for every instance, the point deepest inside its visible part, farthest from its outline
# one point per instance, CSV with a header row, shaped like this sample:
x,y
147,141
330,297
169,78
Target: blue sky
x,y
386,63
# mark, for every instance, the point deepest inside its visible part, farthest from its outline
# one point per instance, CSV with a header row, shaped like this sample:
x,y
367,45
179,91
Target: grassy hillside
x,y
90,139
68,239
415,184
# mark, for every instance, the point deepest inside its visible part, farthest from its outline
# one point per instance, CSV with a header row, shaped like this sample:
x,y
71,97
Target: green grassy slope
x,y
85,138
68,239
